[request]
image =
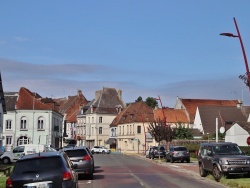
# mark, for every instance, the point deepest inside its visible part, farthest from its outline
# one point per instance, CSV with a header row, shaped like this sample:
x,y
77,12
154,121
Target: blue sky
x,y
145,48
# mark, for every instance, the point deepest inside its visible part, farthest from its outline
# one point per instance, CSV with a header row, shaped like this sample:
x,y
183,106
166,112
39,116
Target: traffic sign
x,y
248,140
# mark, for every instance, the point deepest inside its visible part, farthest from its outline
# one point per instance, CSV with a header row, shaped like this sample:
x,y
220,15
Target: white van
x,y
17,152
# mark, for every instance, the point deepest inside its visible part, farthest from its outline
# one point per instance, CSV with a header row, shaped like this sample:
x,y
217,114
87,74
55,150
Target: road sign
x,y
248,140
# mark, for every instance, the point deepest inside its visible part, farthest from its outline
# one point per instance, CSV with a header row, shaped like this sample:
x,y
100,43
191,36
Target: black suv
x,y
82,157
156,152
46,169
178,153
222,158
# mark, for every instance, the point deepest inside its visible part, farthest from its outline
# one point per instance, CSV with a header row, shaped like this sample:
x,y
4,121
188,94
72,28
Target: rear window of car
x,y
180,149
40,164
76,153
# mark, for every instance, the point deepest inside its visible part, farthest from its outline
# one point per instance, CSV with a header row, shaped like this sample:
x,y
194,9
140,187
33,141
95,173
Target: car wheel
x,y
103,151
217,174
6,160
91,176
188,160
92,152
202,172
182,161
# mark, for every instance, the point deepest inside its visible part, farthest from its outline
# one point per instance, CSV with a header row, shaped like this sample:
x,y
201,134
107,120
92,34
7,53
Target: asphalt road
x,y
122,171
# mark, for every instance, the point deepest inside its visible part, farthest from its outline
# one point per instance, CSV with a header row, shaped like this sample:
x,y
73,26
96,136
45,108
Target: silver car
x,y
83,159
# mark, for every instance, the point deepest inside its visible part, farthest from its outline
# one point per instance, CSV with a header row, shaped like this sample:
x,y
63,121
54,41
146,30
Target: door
x,y
17,152
207,158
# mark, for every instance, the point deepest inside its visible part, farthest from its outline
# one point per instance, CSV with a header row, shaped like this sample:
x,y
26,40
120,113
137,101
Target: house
x,y
174,117
31,119
190,105
130,128
81,125
2,112
238,133
100,114
207,117
69,108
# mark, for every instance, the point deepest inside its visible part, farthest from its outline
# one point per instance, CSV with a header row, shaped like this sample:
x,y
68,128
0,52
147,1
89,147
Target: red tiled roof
x,y
31,101
191,104
71,106
172,115
135,112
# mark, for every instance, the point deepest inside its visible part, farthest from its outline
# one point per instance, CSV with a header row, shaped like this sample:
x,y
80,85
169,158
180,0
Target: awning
x,y
111,141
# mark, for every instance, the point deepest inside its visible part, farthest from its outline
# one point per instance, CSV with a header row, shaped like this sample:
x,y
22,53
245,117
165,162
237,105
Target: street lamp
x,y
246,77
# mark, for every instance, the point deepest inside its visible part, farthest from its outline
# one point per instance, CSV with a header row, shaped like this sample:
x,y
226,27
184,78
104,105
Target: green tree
x,y
151,102
181,132
139,99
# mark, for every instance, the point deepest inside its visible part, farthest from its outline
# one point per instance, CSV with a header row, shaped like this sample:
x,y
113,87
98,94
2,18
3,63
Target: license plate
x,y
47,184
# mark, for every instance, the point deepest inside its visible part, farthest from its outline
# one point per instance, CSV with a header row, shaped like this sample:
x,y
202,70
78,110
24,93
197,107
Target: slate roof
x,y
191,105
10,100
135,112
172,115
226,115
106,102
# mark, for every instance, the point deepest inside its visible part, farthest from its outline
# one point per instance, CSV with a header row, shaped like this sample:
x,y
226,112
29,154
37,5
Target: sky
x,y
163,49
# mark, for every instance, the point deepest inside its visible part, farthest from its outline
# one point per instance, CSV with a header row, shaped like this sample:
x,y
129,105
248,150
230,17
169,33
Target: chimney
x,y
79,92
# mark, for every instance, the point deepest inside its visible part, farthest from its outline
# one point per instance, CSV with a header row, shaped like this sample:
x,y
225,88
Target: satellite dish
x,y
222,130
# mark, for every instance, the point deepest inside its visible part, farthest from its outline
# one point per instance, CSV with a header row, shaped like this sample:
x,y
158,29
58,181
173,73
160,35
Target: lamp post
x,y
246,77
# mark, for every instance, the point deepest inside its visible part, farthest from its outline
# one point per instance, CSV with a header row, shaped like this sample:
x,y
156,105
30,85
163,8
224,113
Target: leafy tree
x,y
182,132
151,102
139,99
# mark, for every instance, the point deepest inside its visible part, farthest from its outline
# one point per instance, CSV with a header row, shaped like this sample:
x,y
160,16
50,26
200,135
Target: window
x,y
8,140
92,119
18,149
8,124
138,129
100,119
23,123
40,123
23,140
100,130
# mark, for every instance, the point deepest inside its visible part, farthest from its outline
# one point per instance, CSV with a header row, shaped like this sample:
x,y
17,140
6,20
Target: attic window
x,y
131,116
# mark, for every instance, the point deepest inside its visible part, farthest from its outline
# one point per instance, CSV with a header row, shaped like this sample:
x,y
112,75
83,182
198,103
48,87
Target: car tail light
x,y
87,157
67,176
9,183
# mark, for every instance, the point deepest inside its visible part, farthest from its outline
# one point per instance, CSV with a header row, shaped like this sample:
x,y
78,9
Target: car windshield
x,y
180,149
227,149
76,153
40,164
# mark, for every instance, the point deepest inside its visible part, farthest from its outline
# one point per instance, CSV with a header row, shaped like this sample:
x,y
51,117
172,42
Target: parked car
x,y
156,152
83,159
178,153
45,169
18,151
222,158
100,149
